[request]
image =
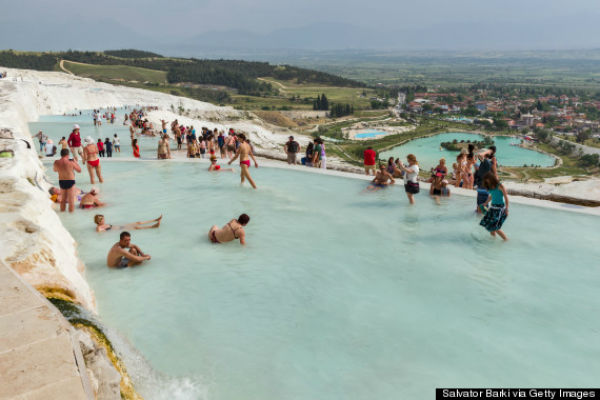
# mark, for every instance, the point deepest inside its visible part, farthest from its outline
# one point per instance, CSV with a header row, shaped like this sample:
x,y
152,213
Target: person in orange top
x,y
136,148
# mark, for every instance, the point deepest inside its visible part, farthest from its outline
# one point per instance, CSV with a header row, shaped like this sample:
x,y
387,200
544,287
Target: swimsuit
x,y
66,184
217,167
245,162
213,237
123,263
86,206
94,163
437,192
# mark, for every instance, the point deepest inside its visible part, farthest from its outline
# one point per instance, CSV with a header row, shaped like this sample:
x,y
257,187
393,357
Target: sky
x,y
376,24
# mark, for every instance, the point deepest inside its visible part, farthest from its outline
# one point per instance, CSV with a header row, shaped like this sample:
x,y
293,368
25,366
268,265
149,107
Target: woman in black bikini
x,y
233,230
102,226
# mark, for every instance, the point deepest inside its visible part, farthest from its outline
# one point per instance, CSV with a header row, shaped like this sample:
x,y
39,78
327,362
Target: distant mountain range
x,y
88,33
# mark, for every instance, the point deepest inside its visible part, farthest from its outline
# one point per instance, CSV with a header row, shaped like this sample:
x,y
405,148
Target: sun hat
x,y
89,140
76,126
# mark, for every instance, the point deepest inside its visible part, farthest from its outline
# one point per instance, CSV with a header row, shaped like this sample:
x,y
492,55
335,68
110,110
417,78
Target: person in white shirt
x,y
116,143
411,179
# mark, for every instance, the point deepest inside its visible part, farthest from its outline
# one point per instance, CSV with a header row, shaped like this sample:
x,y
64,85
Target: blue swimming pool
x,y
369,134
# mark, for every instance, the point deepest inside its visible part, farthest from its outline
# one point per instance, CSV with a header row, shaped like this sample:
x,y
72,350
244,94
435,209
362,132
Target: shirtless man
x,y
66,179
63,143
90,153
74,143
381,179
90,200
244,152
233,230
119,257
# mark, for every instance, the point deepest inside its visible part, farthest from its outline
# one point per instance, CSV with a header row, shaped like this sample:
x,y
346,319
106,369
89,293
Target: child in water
x,y
497,212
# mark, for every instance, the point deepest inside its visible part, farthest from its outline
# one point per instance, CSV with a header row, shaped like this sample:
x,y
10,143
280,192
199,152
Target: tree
x,y
500,123
324,102
582,136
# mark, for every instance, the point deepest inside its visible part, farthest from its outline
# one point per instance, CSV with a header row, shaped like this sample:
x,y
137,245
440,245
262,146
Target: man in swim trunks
x,y
91,200
381,179
244,152
74,143
233,230
90,153
119,257
66,179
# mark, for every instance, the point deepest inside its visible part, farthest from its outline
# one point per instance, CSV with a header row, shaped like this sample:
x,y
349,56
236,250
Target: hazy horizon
x,y
186,27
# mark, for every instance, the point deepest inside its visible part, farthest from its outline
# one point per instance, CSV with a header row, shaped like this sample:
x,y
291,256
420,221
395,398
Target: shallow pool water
x,y
429,151
57,126
342,294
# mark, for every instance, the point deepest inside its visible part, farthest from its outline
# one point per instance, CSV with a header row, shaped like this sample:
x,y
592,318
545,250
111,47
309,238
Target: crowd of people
x,y
123,253
471,171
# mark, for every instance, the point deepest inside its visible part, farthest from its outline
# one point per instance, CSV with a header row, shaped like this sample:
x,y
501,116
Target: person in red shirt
x,y
100,146
74,143
370,156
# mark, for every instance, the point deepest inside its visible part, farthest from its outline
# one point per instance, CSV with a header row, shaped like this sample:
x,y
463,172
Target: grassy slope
x,y
116,72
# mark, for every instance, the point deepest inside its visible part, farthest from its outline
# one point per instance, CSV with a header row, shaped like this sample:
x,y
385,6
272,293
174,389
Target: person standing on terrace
x,y
244,152
90,153
411,179
74,143
497,213
369,160
66,179
291,148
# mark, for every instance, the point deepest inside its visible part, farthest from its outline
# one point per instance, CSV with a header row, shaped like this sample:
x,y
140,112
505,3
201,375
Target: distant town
x,y
562,114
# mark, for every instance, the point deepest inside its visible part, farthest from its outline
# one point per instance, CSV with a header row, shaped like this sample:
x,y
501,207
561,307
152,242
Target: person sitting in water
x,y
90,200
381,179
55,194
102,226
233,230
216,167
119,257
439,187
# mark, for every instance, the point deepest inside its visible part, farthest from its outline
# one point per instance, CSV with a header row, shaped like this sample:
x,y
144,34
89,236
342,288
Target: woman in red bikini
x,y
244,152
90,154
136,148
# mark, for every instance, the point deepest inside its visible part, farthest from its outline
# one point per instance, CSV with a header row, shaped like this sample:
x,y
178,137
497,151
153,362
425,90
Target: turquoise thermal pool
x,y
57,126
341,294
429,152
369,134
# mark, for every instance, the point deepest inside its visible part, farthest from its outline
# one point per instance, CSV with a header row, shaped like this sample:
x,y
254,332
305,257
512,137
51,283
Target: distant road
x,y
582,147
62,66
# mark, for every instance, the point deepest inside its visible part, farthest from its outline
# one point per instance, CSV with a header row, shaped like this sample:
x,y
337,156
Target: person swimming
x,y
102,226
214,167
234,229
